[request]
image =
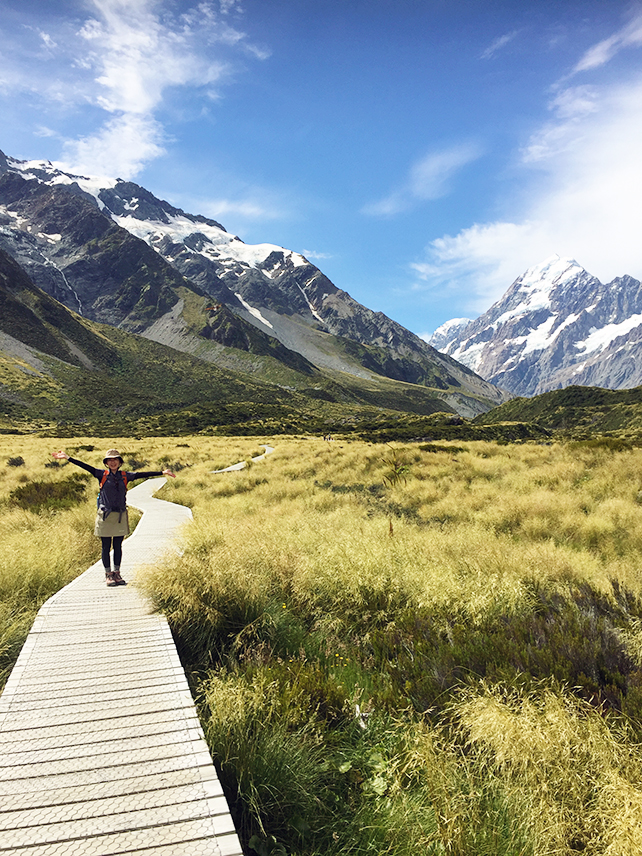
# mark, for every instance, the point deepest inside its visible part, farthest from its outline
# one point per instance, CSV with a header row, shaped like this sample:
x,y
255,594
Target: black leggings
x,y
118,550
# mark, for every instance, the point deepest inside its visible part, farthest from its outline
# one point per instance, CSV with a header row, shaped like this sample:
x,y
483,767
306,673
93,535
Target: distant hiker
x,y
112,523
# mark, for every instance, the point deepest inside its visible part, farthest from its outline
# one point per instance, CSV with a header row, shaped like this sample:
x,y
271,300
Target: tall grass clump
x,y
40,554
342,608
576,773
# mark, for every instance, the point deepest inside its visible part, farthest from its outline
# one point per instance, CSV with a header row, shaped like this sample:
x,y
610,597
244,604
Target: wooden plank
x,y
101,750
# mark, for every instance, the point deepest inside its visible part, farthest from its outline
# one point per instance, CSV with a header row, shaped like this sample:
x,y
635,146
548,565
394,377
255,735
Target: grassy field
x,y
429,648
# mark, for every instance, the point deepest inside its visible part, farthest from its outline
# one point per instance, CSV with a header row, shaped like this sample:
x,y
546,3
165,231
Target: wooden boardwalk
x,y
101,750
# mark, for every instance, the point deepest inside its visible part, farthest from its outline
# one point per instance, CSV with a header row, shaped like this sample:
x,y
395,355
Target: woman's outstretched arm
x,y
63,456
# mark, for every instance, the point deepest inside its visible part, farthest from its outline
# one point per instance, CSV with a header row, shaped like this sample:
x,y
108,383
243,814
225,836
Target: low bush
x,y
134,465
38,496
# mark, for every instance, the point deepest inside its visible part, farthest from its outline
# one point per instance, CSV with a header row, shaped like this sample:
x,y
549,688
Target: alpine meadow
x,y
395,648
356,288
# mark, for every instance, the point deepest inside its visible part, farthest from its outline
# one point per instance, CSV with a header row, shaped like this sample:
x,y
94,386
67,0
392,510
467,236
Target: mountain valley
x,y
115,254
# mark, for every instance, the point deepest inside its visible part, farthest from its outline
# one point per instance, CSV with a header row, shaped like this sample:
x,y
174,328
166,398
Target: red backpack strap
x,y
106,473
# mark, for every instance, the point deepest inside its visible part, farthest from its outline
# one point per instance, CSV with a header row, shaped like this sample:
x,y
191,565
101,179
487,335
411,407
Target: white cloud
x,y
44,131
120,148
315,256
604,51
137,53
482,261
122,61
246,209
570,105
47,40
580,176
428,178
498,44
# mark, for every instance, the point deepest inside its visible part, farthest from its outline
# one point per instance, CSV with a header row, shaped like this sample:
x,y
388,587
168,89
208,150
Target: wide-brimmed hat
x,y
113,453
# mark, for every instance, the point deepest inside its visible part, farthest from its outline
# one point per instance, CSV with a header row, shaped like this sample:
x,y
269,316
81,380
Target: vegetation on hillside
x,y
133,386
79,377
576,411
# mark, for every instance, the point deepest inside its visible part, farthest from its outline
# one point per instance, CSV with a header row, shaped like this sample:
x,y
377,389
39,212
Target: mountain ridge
x,y
114,252
65,373
555,326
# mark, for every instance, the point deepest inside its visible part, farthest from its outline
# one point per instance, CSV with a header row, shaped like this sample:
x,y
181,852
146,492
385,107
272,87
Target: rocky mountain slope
x,y
556,326
114,253
62,372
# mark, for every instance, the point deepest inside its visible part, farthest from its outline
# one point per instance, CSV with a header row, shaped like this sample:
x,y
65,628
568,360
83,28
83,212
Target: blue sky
x,y
423,153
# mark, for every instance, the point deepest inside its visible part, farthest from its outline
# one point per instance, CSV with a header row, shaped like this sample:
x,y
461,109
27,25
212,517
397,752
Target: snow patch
x,y
598,340
310,306
255,312
181,227
537,284
470,356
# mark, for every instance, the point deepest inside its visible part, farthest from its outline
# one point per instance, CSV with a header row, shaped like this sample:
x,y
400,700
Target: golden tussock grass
x,y
298,572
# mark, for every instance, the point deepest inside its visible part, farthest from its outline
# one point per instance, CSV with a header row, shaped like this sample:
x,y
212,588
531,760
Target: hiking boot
x,y
110,577
119,580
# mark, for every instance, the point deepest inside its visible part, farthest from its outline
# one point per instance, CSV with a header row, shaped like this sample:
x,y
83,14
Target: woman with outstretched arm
x,y
112,523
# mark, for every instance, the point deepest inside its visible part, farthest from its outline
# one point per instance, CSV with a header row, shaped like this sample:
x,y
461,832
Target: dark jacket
x,y
113,494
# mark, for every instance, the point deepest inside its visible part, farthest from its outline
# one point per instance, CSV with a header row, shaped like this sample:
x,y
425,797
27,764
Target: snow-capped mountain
x,y
556,325
112,251
448,331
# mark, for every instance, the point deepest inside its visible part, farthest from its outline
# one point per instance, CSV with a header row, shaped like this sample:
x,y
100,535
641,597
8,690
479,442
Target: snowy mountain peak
x,y
447,331
554,271
556,325
538,288
143,215
47,173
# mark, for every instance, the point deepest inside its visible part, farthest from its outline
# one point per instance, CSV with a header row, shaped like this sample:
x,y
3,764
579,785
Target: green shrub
x,y
17,461
37,496
434,448
133,464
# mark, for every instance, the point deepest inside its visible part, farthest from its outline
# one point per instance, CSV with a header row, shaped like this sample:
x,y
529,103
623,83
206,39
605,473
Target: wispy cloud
x,y
120,148
569,106
580,178
243,209
583,204
498,44
428,178
605,50
316,256
120,63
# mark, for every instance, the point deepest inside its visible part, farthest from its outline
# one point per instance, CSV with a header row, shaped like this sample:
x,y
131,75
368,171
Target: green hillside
x,y
576,411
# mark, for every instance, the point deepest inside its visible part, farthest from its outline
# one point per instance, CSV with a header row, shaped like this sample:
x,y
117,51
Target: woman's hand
x,y
169,473
60,456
